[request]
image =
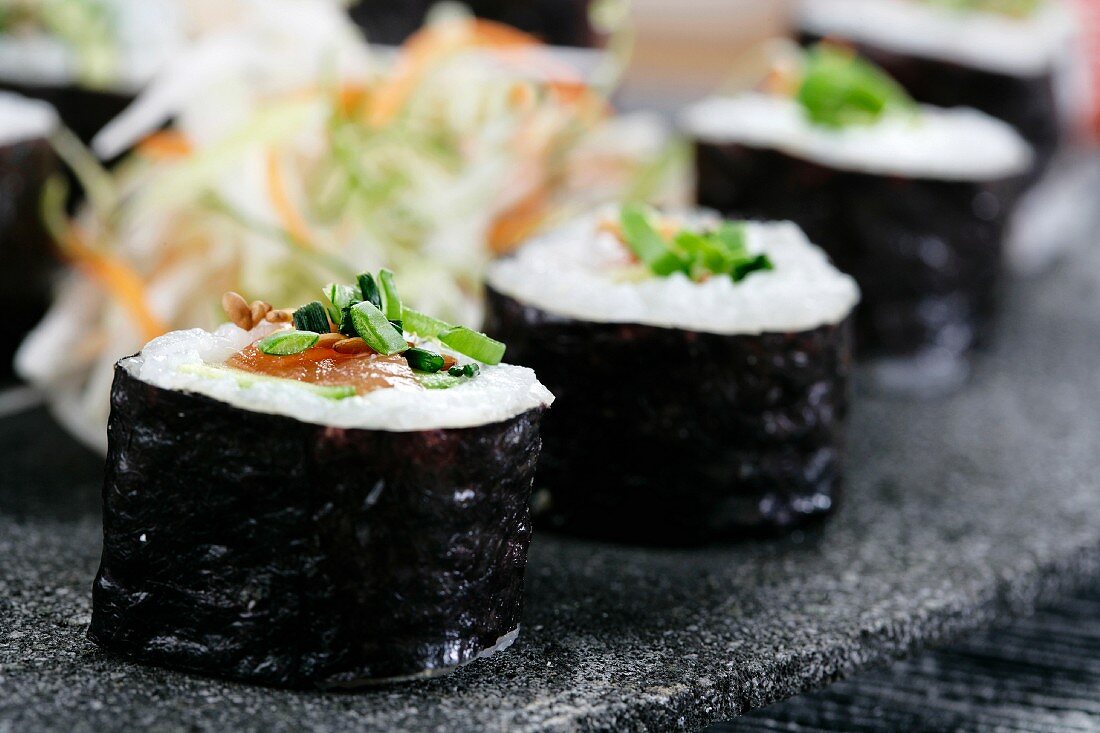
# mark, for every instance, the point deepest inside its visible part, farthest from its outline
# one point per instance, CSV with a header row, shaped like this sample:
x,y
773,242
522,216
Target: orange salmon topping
x,y
325,367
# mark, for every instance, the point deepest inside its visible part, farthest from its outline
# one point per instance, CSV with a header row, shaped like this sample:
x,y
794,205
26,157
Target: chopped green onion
x,y
743,269
840,89
341,297
648,244
424,360
473,344
423,325
371,325
390,299
286,343
311,317
369,289
464,370
248,379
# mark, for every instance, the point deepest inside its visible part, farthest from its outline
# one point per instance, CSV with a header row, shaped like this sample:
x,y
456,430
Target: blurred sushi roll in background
x,y
700,368
28,261
307,502
1003,57
88,58
556,22
912,201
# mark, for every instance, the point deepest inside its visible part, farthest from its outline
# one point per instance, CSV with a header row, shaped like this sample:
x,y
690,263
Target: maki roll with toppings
x,y
912,201
317,498
1002,57
701,369
27,261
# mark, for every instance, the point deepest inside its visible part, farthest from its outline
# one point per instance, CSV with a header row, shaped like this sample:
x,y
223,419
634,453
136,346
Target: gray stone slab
x,y
1040,674
959,512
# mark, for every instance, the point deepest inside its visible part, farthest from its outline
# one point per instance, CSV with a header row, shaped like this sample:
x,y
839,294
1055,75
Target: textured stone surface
x,y
1039,675
958,512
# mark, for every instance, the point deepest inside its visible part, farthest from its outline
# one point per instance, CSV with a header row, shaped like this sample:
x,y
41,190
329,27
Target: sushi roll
x,y
1003,57
912,201
701,369
87,58
27,260
557,22
304,499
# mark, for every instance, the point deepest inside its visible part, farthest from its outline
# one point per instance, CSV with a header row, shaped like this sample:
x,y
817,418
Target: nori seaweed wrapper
x,y
28,261
672,437
85,111
557,22
926,253
261,548
1028,103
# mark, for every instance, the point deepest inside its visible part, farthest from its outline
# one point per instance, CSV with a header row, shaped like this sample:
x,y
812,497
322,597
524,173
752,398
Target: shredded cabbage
x,y
299,155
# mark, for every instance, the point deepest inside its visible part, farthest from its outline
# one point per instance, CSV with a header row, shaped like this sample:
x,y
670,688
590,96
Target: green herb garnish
x,y
648,244
840,89
698,254
391,301
340,297
473,344
465,370
371,325
424,360
311,317
369,290
422,325
286,343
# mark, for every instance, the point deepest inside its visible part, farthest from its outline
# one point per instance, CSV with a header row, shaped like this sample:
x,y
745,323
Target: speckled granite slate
x,y
1040,674
959,512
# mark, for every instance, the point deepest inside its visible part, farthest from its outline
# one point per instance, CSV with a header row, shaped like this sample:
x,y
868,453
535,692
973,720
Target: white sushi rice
x,y
497,393
576,271
23,119
989,41
957,144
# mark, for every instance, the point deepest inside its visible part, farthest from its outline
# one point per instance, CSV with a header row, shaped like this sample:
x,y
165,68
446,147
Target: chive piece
x,y
423,325
371,325
457,371
347,327
369,290
390,298
311,317
839,89
424,360
473,344
287,343
647,243
743,269
341,297
471,370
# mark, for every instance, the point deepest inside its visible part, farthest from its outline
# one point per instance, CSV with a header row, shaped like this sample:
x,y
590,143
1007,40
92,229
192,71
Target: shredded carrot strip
x,y
165,145
352,99
291,220
118,279
427,46
517,223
